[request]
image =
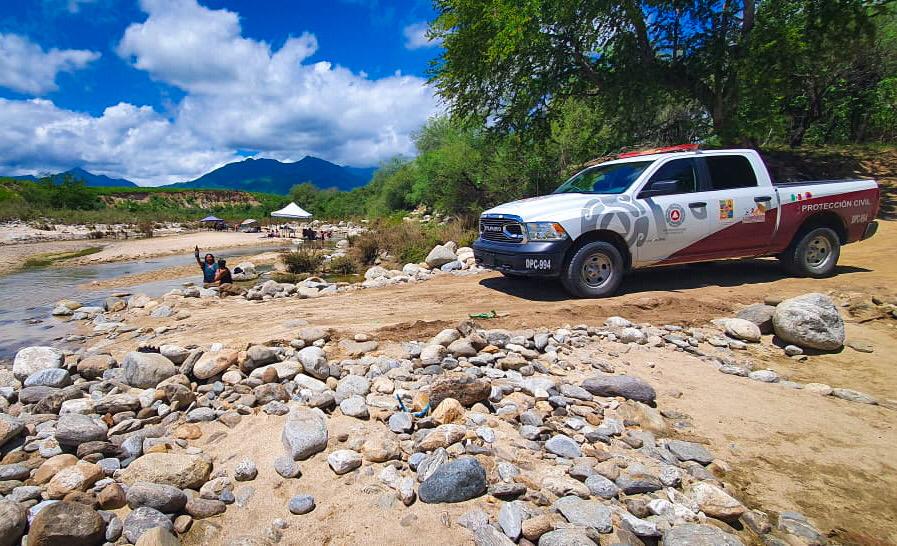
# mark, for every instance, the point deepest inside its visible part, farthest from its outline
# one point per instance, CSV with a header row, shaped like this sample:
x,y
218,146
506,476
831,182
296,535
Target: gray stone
x,y
692,534
455,481
810,321
626,386
563,446
854,396
164,498
301,504
261,355
245,471
566,537
33,359
600,486
314,362
342,461
66,523
50,377
354,406
585,513
742,329
146,370
400,422
287,467
796,524
304,433
764,376
13,519
142,520
760,314
689,451
510,518
352,385
10,427
73,429
439,256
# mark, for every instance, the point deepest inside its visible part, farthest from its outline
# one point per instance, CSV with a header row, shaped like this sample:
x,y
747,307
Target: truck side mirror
x,y
661,187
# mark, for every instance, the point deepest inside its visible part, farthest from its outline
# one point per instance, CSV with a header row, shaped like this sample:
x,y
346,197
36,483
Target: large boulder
x,y
164,498
33,359
10,427
810,321
455,481
440,255
175,469
304,433
146,370
627,386
693,534
12,522
74,429
212,364
69,523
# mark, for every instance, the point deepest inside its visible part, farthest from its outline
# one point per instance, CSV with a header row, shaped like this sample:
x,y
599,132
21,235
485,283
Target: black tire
x,y
813,254
594,271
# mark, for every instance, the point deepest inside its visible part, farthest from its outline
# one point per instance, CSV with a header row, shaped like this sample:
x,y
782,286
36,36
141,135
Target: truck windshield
x,y
609,178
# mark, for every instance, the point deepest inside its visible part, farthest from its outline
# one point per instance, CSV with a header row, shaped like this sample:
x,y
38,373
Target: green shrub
x,y
409,242
303,260
343,265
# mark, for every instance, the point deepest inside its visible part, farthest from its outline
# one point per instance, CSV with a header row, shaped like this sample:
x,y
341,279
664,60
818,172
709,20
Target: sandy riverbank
x,y
13,256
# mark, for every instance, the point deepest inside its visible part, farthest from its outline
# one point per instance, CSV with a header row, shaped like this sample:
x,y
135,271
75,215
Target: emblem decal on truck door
x,y
675,215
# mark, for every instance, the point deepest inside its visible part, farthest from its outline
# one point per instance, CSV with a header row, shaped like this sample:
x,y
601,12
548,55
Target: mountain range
x,y
90,179
259,175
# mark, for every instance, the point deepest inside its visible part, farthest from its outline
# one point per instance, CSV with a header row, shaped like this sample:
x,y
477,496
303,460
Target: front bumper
x,y
533,259
871,228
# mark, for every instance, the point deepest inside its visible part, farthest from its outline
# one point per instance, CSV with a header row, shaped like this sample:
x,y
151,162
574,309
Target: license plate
x,y
540,264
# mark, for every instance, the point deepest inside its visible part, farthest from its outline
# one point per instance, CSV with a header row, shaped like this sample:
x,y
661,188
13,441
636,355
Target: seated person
x,y
222,275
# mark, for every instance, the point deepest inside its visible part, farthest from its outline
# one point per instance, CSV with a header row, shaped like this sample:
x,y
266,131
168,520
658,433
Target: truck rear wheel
x,y
814,254
594,271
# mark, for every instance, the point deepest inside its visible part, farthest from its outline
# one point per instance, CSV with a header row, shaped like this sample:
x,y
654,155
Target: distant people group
x,y
216,273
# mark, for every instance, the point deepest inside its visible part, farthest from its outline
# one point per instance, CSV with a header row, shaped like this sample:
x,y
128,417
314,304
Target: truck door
x,y
742,211
677,212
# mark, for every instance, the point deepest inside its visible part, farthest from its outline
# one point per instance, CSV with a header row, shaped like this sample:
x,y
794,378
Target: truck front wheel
x,y
815,254
594,271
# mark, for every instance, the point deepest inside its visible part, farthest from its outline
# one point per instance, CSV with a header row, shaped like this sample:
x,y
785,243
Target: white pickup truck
x,y
669,206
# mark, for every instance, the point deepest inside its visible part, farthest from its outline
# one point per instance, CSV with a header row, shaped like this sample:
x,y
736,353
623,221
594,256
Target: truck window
x,y
680,170
610,178
730,171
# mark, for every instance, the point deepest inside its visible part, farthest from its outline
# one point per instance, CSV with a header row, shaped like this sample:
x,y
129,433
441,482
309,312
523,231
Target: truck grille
x,y
502,230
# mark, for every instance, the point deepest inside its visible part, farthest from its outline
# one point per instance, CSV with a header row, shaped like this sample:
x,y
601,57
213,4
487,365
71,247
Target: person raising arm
x,y
208,266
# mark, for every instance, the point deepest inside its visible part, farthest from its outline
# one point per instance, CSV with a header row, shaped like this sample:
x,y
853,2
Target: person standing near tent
x,y
208,266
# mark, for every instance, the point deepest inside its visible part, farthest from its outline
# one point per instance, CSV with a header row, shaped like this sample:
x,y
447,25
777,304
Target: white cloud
x,y
416,36
25,67
244,94
126,141
240,94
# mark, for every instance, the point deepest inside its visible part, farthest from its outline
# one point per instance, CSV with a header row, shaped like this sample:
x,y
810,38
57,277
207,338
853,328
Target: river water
x,y
27,297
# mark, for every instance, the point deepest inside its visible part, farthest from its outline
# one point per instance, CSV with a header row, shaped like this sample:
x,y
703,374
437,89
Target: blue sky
x,y
160,91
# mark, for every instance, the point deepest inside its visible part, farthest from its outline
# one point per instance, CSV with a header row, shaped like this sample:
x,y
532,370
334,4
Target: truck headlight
x,y
545,231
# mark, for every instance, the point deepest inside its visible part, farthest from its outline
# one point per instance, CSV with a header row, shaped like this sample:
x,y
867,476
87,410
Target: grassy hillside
x,y
73,202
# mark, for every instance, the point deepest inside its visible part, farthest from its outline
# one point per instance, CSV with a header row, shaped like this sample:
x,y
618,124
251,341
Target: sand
x,y
13,256
788,449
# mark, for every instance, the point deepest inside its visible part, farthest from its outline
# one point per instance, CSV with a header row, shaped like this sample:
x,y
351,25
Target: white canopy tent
x,y
293,211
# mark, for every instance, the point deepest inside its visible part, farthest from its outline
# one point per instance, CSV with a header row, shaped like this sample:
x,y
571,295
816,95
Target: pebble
x,y
301,504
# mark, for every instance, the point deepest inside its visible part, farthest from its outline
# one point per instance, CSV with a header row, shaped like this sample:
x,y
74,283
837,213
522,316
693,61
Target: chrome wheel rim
x,y
819,252
597,270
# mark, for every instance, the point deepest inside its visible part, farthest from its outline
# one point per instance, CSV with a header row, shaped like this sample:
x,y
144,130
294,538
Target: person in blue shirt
x,y
208,266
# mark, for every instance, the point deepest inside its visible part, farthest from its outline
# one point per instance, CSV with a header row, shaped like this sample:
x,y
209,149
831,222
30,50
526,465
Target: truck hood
x,y
548,208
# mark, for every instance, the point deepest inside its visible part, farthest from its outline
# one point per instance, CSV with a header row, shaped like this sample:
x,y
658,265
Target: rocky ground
x,y
599,433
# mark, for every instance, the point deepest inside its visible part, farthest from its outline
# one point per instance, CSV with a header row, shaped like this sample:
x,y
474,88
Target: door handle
x,y
762,199
697,205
